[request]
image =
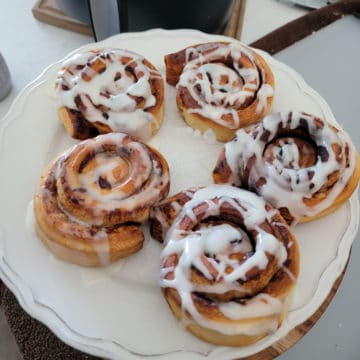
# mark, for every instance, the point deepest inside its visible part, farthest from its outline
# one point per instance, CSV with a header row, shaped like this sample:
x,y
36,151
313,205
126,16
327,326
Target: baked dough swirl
x,y
229,264
163,214
91,200
302,165
110,90
220,86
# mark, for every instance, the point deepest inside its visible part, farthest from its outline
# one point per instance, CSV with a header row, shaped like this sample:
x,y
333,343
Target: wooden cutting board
x,y
49,12
297,333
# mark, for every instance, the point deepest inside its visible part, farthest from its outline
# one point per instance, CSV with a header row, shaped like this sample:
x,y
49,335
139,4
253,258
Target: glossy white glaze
x,y
288,184
217,243
138,168
223,90
109,97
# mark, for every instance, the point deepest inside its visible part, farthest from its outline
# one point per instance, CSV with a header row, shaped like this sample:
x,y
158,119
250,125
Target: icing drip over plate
x,y
106,311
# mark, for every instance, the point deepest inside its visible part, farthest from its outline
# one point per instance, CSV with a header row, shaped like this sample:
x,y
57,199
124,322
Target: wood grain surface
x,y
48,11
297,333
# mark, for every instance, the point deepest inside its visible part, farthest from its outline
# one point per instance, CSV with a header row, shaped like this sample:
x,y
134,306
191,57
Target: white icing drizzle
x,y
158,214
220,90
113,89
143,169
263,94
289,273
260,305
286,154
70,225
176,206
287,184
217,243
67,227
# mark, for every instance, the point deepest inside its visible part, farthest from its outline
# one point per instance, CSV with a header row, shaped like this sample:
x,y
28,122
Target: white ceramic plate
x,y
118,312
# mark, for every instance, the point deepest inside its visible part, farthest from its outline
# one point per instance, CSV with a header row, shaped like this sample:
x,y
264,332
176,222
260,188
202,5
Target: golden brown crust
x,y
174,64
222,171
201,123
205,334
83,160
248,112
349,189
309,150
274,281
76,243
103,238
163,214
77,122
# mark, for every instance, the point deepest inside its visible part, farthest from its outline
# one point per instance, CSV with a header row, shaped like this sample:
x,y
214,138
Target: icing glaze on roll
x,y
91,200
163,213
227,85
296,161
224,89
112,179
112,90
223,255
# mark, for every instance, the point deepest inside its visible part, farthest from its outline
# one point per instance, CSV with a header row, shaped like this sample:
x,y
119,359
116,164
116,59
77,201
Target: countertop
x,y
29,46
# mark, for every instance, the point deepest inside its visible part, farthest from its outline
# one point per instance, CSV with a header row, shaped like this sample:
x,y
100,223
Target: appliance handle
x,y
108,17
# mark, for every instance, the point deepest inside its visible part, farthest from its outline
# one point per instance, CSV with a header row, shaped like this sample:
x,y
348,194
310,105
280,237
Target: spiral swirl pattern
x,y
222,86
301,164
110,90
228,266
90,199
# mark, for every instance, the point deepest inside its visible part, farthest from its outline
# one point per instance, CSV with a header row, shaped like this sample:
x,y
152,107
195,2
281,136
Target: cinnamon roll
x,y
220,86
92,199
110,90
163,213
304,166
229,265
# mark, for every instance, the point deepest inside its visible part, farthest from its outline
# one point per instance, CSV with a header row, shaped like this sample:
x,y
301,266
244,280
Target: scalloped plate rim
x,y
50,318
